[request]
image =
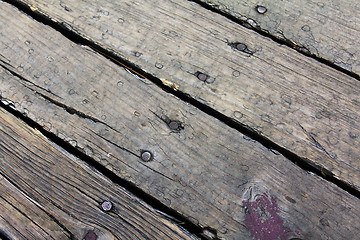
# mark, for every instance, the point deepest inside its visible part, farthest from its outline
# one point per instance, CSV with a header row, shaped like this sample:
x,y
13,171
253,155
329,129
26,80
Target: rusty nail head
x,y
106,206
146,156
202,76
261,9
90,235
174,125
241,47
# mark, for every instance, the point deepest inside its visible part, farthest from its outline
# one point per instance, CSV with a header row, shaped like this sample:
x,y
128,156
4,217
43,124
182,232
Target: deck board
x,y
294,101
20,218
327,29
47,193
207,171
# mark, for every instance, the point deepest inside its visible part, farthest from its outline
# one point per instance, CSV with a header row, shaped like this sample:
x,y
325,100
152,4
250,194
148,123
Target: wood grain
x,y
21,217
49,194
327,29
203,169
296,102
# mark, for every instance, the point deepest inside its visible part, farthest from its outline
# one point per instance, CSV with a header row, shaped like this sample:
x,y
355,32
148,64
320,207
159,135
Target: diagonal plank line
x,y
283,41
303,163
148,199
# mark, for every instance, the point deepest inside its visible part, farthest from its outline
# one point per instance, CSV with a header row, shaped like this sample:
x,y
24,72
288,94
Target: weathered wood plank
x,y
296,102
48,194
207,171
20,217
327,29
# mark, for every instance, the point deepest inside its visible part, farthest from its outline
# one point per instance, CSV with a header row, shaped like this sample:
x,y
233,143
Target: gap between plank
x,y
171,214
283,41
3,236
75,37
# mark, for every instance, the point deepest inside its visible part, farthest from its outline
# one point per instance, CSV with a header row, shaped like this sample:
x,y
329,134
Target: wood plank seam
x,y
171,214
115,69
78,204
75,37
251,24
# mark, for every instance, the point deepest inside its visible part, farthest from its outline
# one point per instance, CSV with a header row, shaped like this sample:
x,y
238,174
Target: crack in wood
x,y
72,111
283,40
314,141
13,72
133,189
305,164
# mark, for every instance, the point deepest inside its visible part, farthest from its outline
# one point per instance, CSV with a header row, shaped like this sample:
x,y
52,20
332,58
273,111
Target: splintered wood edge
x,y
71,203
296,102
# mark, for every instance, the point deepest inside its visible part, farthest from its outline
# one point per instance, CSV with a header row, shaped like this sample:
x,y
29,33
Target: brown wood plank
x,y
48,194
20,217
209,172
296,102
327,29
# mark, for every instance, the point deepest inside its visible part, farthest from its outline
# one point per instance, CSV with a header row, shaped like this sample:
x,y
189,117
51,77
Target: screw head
x,y
146,156
106,206
90,235
261,9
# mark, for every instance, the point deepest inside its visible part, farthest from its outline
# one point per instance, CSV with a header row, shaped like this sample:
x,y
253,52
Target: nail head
x,y
106,206
146,156
202,76
174,125
261,9
241,47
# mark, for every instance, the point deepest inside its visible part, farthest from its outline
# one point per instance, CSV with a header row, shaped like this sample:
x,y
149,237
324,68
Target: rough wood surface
x,y
328,29
21,217
296,102
211,173
47,194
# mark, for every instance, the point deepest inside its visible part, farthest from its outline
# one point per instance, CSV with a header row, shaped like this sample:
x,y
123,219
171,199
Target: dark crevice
x,y
283,41
148,199
72,35
9,68
68,109
4,236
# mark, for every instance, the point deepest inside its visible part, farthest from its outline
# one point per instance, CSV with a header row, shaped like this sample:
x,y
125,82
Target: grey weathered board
x,y
329,29
210,173
46,193
295,101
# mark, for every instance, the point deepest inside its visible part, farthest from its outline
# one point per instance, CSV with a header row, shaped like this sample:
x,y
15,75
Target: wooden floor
x,y
176,119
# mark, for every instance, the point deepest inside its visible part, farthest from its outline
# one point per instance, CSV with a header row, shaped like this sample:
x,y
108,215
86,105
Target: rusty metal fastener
x,y
241,47
174,125
146,156
90,235
202,76
106,206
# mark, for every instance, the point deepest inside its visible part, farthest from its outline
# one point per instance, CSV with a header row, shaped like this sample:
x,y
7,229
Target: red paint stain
x,y
263,221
